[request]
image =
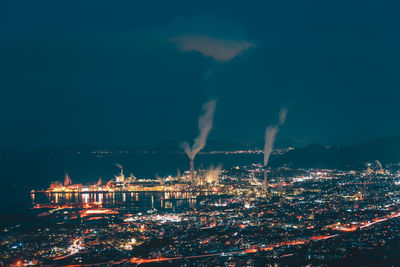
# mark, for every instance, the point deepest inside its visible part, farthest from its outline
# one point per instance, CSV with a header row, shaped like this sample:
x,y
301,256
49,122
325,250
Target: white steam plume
x,y
379,164
282,116
270,134
205,126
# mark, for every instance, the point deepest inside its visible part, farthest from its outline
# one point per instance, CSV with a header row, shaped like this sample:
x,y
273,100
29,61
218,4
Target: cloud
x,y
221,50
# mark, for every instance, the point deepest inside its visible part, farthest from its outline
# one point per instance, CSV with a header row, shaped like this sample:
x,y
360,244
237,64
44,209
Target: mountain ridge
x,y
386,150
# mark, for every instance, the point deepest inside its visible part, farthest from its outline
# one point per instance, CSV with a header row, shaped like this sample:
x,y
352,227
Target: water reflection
x,y
157,200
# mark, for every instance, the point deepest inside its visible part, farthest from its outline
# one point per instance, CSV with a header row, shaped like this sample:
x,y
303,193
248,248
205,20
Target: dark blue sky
x,y
131,72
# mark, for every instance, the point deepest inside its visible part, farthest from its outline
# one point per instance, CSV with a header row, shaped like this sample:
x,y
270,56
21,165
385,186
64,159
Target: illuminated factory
x,y
192,172
193,179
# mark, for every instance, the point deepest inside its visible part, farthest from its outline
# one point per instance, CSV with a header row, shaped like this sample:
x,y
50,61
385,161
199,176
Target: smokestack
x,y
205,126
265,178
192,172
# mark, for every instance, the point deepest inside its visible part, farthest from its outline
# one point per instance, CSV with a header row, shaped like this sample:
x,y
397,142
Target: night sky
x,y
127,73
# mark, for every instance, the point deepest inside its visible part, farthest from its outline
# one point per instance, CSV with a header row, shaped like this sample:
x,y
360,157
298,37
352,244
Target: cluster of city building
x,y
302,216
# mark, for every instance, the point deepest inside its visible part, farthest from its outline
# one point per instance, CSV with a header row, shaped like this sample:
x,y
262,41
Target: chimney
x,y
192,172
265,179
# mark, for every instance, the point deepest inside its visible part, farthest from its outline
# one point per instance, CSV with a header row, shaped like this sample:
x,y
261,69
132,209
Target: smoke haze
x,y
212,174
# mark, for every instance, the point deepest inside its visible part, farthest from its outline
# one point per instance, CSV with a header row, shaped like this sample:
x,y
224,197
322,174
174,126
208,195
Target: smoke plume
x,y
67,180
205,126
270,134
379,164
119,165
282,116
